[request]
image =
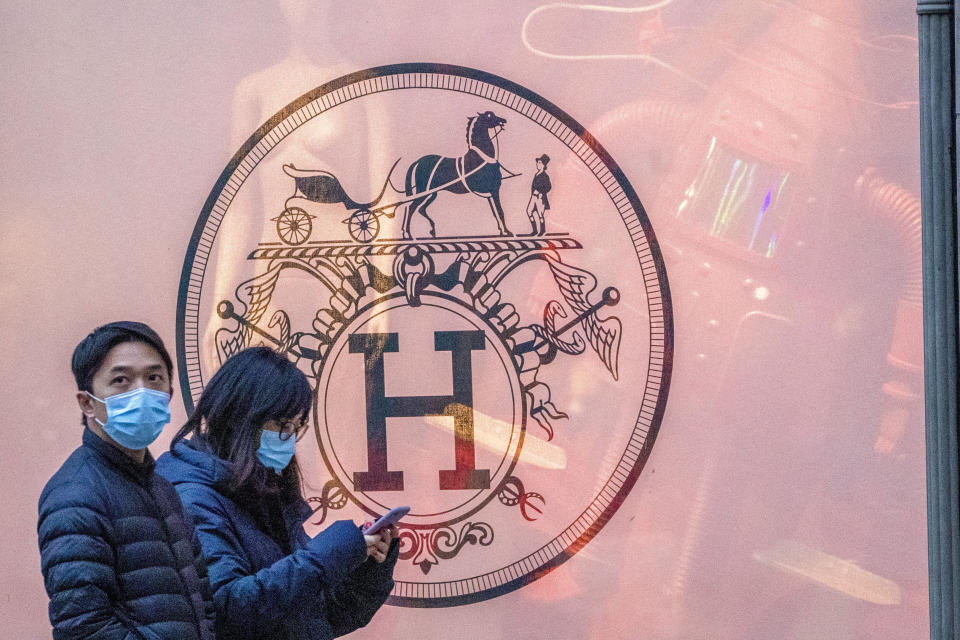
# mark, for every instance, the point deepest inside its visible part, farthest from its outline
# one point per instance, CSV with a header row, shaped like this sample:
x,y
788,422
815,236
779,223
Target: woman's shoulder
x,y
188,464
196,496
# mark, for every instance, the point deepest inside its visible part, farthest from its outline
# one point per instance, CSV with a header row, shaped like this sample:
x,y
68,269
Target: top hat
x,y
544,159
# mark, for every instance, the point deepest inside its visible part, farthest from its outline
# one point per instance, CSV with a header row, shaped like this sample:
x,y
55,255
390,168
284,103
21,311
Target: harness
x,y
486,160
462,175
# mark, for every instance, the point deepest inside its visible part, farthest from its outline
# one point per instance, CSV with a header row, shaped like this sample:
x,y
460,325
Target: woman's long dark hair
x,y
252,387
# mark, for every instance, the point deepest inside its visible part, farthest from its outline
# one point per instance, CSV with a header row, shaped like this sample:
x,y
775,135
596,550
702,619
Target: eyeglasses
x,y
291,428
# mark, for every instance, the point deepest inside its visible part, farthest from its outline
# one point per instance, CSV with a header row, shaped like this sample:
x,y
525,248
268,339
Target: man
x,y
538,204
120,558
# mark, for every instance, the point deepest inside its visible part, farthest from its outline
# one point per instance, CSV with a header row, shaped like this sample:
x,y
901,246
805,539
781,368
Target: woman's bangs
x,y
295,398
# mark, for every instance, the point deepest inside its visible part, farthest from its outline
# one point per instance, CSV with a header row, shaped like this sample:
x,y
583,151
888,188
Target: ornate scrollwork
x,y
513,494
427,547
332,496
478,268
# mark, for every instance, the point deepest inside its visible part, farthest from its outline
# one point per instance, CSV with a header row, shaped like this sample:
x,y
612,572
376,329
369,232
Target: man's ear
x,y
86,403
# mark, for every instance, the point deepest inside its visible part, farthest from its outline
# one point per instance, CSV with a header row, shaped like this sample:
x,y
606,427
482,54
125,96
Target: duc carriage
x,y
477,171
294,224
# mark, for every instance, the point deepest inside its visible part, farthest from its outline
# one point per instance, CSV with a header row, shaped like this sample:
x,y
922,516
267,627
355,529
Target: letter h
x,y
380,406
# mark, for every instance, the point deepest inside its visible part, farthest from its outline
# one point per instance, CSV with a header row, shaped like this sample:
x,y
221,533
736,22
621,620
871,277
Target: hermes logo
x,y
475,293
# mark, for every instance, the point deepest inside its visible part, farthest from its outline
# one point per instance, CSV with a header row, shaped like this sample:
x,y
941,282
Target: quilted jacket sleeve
x,y
78,567
352,603
200,562
257,602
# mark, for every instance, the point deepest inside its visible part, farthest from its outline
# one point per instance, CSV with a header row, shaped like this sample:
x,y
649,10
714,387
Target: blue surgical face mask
x,y
275,452
135,418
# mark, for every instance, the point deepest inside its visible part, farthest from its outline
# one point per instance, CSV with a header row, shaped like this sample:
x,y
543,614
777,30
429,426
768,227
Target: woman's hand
x,y
378,544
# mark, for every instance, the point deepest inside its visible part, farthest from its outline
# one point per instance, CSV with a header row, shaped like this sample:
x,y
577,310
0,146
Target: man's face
x,y
539,165
128,365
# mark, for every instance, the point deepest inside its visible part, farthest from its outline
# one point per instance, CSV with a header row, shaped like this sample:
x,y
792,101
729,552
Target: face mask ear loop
x,y
95,419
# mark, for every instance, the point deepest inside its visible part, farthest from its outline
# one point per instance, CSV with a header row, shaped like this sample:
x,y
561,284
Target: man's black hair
x,y
252,387
93,350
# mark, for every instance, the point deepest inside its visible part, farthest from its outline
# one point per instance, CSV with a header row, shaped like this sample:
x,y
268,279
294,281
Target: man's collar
x,y
141,470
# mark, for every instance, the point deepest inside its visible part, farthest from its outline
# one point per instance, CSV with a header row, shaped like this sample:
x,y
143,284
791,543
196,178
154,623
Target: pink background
x,y
785,494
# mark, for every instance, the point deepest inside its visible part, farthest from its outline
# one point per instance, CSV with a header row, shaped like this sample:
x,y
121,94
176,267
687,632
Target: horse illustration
x,y
477,171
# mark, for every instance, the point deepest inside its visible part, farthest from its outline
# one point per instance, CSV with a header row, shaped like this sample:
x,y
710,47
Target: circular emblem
x,y
476,296
491,404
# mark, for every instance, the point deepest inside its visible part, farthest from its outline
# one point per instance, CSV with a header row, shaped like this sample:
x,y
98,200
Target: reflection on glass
x,y
844,576
737,198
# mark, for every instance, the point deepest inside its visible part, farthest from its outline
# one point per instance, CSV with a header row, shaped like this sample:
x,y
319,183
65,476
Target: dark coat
x,y
120,559
315,589
541,184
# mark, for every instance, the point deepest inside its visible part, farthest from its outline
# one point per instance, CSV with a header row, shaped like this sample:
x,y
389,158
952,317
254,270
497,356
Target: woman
x,y
238,479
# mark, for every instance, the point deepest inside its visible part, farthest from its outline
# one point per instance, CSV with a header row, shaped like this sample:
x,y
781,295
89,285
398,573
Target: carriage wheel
x,y
363,226
294,225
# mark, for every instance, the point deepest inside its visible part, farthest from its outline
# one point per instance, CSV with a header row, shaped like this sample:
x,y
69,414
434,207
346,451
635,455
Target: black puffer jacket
x,y
120,558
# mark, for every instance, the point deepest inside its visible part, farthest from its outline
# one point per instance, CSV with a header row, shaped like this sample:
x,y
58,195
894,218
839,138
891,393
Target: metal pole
x,y
940,323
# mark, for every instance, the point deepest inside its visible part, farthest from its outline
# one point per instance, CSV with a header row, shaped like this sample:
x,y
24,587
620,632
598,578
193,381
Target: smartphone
x,y
390,517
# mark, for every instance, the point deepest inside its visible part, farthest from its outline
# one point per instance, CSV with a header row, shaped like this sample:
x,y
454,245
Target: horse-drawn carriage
x,y
294,224
477,171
